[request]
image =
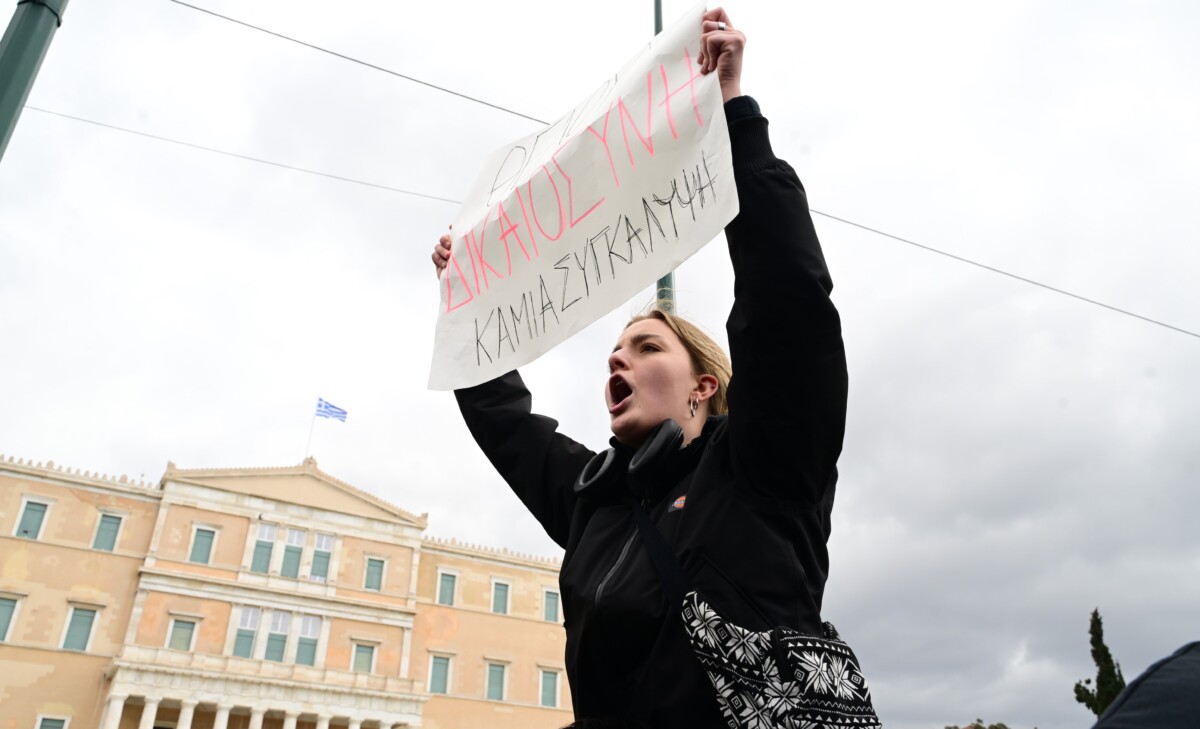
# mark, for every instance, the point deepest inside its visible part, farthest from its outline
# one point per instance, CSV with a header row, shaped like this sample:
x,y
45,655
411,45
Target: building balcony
x,y
161,673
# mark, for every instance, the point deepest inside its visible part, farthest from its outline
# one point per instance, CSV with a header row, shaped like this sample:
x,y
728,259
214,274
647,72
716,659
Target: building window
x,y
106,532
550,689
8,608
202,545
446,584
364,658
321,555
79,629
292,552
33,513
277,635
306,646
495,681
499,597
48,722
374,577
262,548
243,644
550,606
182,633
439,675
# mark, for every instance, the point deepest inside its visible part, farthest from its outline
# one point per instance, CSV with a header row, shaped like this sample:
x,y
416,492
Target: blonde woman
x,y
742,490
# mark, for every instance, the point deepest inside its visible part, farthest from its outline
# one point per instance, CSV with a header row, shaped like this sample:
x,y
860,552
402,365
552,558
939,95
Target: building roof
x,y
304,484
50,469
495,553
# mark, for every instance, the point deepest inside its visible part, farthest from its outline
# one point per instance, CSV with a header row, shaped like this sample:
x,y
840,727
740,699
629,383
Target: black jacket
x,y
759,484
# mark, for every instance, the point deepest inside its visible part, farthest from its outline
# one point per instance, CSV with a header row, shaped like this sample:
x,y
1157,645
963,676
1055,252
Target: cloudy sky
x,y
1014,457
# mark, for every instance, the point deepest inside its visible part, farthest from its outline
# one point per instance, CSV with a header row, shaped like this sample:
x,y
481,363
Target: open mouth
x,y
619,392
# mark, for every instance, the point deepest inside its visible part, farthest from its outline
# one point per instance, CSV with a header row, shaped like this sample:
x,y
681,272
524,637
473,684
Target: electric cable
x,y
1002,272
243,156
344,57
844,221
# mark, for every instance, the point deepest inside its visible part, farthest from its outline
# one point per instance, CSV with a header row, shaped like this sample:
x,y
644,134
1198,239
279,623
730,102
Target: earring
x,y
693,403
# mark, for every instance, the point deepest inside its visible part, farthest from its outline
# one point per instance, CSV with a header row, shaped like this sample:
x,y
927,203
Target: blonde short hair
x,y
707,356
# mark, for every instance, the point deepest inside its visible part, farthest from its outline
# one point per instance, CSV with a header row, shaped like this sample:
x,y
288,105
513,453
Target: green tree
x,y
1109,680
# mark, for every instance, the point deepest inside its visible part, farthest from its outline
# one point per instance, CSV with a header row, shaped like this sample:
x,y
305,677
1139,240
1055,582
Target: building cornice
x,y
492,554
173,674
233,591
54,473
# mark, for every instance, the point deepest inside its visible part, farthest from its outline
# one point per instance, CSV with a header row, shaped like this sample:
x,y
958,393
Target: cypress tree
x,y
1109,680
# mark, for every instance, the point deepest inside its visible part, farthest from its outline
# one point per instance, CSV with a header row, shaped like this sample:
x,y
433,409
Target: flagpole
x,y
310,432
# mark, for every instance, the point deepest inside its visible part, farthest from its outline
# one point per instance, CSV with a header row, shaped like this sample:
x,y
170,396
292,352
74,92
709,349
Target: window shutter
x,y
374,574
262,557
306,652
275,646
439,675
291,562
181,635
320,566
500,598
446,589
31,520
363,655
7,608
243,645
79,630
549,689
106,534
202,546
495,684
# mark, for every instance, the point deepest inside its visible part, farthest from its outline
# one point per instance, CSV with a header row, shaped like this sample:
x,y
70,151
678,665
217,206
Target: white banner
x,y
565,225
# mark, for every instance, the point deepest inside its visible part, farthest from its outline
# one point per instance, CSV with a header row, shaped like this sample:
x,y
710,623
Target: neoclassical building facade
x,y
260,598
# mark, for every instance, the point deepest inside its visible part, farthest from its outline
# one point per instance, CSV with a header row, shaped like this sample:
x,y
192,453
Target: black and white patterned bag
x,y
778,678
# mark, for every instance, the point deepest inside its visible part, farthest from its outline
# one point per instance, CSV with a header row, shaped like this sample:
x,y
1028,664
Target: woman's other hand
x,y
721,50
441,254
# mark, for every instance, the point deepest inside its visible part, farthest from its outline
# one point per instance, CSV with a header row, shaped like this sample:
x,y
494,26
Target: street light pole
x,y
22,50
666,284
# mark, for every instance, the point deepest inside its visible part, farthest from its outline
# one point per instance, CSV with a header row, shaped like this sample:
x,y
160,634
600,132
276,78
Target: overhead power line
x,y
243,156
414,193
993,269
351,59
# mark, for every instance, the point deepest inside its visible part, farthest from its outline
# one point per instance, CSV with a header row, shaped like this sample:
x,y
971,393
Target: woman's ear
x,y
706,387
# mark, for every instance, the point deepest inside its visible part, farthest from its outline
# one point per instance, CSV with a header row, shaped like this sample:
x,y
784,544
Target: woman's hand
x,y
721,50
441,254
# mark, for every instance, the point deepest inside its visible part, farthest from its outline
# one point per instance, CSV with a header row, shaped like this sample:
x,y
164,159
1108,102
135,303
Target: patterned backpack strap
x,y
778,678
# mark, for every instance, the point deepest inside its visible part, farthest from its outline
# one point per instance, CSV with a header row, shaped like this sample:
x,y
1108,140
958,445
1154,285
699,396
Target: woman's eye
x,y
649,348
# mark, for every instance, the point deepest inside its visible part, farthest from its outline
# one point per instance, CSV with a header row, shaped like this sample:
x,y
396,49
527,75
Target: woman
x,y
745,502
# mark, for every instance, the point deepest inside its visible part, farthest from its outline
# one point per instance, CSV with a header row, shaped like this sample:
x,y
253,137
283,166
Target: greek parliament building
x,y
260,598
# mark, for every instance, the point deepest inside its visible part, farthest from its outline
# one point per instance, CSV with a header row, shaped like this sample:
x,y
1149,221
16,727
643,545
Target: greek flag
x,y
328,410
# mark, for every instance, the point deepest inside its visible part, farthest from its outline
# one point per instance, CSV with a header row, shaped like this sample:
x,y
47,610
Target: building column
x,y
222,719
289,720
149,713
112,712
322,721
256,718
187,710
355,724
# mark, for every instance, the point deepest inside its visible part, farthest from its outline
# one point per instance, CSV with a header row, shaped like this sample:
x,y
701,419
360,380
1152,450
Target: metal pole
x,y
666,284
22,50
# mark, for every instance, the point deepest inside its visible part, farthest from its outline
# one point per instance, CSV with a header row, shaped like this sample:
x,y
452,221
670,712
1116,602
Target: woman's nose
x,y
617,361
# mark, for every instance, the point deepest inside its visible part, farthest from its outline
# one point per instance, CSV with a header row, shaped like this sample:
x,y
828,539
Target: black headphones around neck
x,y
602,475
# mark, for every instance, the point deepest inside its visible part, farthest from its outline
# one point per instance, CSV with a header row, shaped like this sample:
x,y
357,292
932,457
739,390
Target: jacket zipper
x,y
613,570
620,558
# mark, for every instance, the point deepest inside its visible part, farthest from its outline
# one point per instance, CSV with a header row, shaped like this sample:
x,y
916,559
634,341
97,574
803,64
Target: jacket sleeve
x,y
787,399
539,463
